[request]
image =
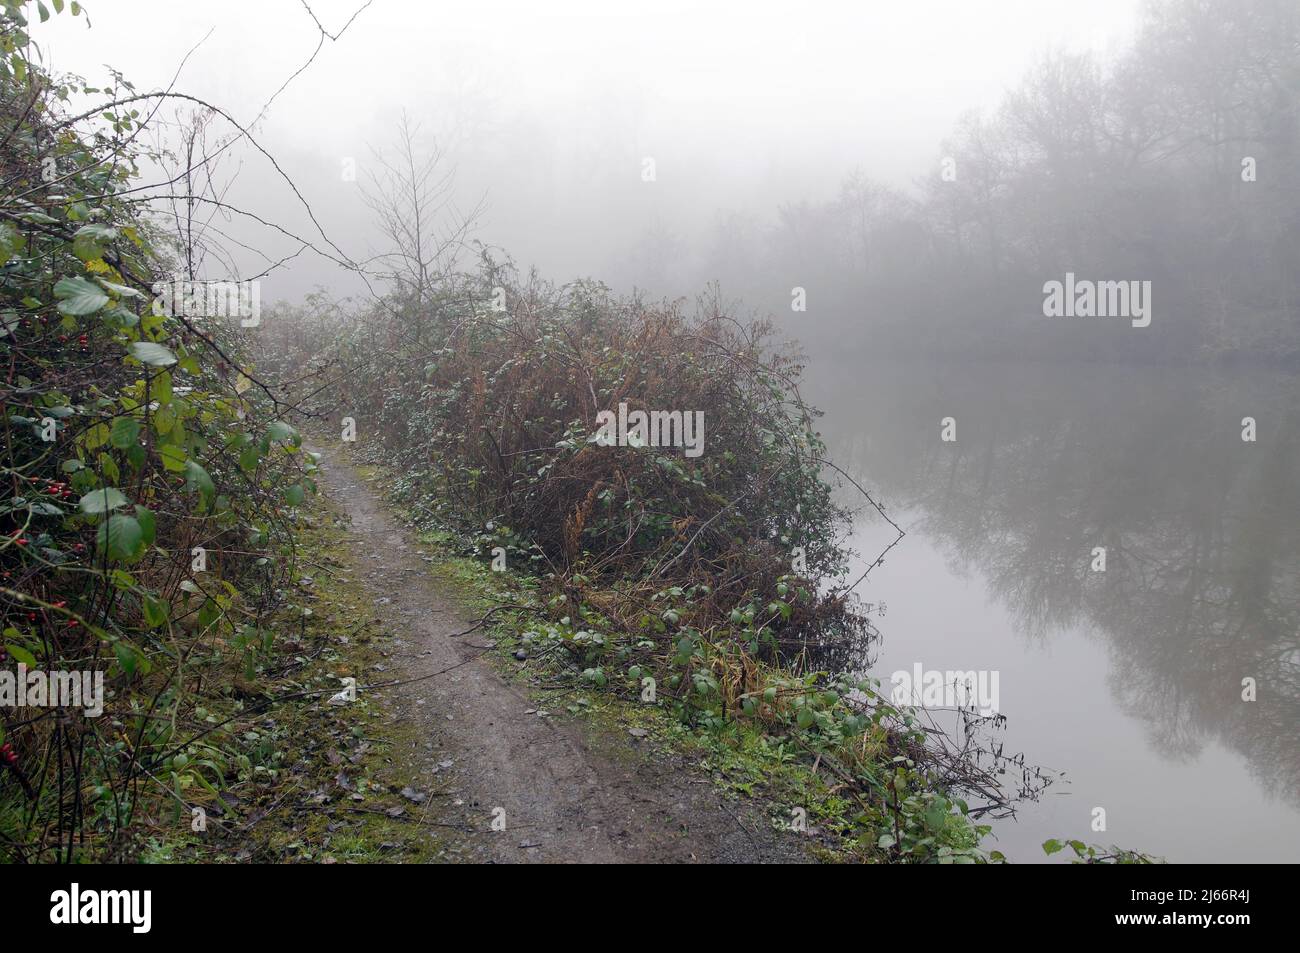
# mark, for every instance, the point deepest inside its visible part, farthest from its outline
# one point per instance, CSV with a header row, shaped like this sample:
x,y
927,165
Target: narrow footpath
x,y
565,790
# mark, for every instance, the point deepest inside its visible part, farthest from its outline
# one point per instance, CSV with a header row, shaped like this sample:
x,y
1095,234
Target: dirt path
x,y
569,792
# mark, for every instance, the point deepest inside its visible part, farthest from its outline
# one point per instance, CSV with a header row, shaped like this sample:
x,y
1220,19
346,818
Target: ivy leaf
x,y
77,296
149,352
102,500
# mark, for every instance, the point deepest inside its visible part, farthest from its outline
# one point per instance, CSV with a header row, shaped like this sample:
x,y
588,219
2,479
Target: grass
x,y
331,773
743,762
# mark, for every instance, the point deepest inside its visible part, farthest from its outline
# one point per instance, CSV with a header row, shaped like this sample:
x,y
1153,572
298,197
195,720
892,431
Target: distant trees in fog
x,y
1177,163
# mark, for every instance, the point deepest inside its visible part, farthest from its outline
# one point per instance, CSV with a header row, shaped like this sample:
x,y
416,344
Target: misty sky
x,y
549,113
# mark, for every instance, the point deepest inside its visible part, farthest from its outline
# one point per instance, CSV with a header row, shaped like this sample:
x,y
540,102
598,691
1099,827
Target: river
x,y
1127,682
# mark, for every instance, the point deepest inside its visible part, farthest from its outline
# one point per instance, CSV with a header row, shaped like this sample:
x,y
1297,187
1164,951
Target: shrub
x,y
131,439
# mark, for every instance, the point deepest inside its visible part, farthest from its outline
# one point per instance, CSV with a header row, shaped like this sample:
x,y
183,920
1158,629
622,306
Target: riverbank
x,y
790,759
451,751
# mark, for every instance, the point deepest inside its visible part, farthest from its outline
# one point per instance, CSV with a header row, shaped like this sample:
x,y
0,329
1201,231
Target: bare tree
x,y
411,194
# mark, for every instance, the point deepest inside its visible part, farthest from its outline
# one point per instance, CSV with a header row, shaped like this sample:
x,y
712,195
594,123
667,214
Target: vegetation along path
x,y
565,789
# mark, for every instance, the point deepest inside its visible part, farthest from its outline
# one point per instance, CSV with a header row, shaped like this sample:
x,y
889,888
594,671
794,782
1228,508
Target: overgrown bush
x,y
145,498
713,584
495,414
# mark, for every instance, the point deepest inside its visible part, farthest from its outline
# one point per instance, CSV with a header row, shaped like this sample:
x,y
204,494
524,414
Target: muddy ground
x,y
567,790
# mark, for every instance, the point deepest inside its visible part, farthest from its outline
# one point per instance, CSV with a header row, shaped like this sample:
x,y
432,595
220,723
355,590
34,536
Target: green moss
x,y
741,759
284,817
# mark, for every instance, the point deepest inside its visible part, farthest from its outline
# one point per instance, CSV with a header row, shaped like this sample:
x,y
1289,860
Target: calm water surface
x,y
1129,682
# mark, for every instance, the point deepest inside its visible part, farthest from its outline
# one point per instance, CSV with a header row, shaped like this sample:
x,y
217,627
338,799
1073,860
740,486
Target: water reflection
x,y
1201,529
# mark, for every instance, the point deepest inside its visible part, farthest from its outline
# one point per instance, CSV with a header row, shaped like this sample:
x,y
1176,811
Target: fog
x,y
1070,228
546,115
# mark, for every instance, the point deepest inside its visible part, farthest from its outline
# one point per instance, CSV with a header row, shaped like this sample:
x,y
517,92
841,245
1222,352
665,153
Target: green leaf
x,y
109,467
126,431
89,241
281,432
294,494
126,655
148,524
77,296
150,352
196,478
1052,846
161,388
102,500
164,420
173,457
20,654
251,456
122,291
96,436
155,611
121,537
